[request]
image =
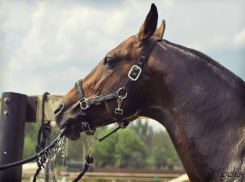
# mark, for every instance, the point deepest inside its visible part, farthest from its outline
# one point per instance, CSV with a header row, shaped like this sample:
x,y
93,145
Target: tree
x,y
164,152
143,131
29,147
120,150
30,142
130,150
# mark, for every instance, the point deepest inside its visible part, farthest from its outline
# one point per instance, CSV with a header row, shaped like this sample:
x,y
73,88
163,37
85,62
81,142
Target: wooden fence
x,y
112,175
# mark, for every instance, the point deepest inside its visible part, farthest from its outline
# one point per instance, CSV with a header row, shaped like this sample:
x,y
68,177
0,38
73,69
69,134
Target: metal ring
x,y
84,125
86,104
118,92
92,138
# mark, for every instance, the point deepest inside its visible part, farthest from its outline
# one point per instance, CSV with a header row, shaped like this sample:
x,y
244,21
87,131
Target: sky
x,y
48,45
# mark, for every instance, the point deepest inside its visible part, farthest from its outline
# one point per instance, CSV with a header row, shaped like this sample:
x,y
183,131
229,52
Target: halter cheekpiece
x,y
120,95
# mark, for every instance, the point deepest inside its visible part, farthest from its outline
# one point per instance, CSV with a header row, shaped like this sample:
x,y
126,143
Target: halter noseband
x,y
120,95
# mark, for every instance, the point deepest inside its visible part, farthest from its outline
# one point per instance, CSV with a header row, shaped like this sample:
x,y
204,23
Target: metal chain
x,y
90,147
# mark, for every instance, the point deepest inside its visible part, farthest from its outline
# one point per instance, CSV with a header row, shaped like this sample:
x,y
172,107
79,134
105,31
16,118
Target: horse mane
x,y
233,80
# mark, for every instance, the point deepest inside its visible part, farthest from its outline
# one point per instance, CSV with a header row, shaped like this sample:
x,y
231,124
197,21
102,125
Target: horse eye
x,y
108,61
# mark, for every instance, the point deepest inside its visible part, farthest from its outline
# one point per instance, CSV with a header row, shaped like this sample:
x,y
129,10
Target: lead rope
x,y
44,131
50,164
89,158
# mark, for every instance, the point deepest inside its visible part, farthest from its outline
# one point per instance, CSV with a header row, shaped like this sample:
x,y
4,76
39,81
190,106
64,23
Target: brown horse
x,y
198,101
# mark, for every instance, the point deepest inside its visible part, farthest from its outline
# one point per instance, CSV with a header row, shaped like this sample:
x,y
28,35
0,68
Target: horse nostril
x,y
59,108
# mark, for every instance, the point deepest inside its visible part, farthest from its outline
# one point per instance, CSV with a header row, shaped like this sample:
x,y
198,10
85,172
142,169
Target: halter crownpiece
x,y
120,95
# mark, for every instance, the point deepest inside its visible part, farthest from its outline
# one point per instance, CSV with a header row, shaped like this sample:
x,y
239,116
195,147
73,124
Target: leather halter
x,y
120,95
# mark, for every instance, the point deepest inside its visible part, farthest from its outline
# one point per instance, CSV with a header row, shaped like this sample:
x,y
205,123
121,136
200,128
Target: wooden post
x,y
12,133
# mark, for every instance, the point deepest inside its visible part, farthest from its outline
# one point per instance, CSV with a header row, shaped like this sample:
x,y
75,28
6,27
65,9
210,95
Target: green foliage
x,y
131,151
159,145
124,149
164,152
29,147
30,143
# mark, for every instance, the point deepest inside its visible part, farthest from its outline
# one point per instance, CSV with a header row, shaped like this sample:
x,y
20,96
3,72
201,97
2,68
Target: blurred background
x,y
48,45
138,149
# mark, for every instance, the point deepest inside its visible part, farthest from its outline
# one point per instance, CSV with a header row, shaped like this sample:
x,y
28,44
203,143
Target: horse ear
x,y
160,31
149,26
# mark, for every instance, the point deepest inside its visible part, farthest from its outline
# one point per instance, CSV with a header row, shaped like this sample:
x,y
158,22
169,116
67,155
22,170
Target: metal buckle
x,y
134,67
86,128
119,96
119,111
85,125
85,100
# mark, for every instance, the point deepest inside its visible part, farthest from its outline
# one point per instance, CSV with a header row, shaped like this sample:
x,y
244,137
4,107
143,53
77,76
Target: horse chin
x,y
73,132
73,137
73,128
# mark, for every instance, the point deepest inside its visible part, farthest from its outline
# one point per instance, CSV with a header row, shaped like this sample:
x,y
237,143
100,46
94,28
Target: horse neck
x,y
202,108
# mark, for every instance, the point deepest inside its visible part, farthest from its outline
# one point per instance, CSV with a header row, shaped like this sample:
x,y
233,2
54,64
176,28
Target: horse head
x,y
109,76
198,101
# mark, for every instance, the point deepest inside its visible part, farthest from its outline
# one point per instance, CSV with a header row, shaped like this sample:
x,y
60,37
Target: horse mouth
x,y
72,126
